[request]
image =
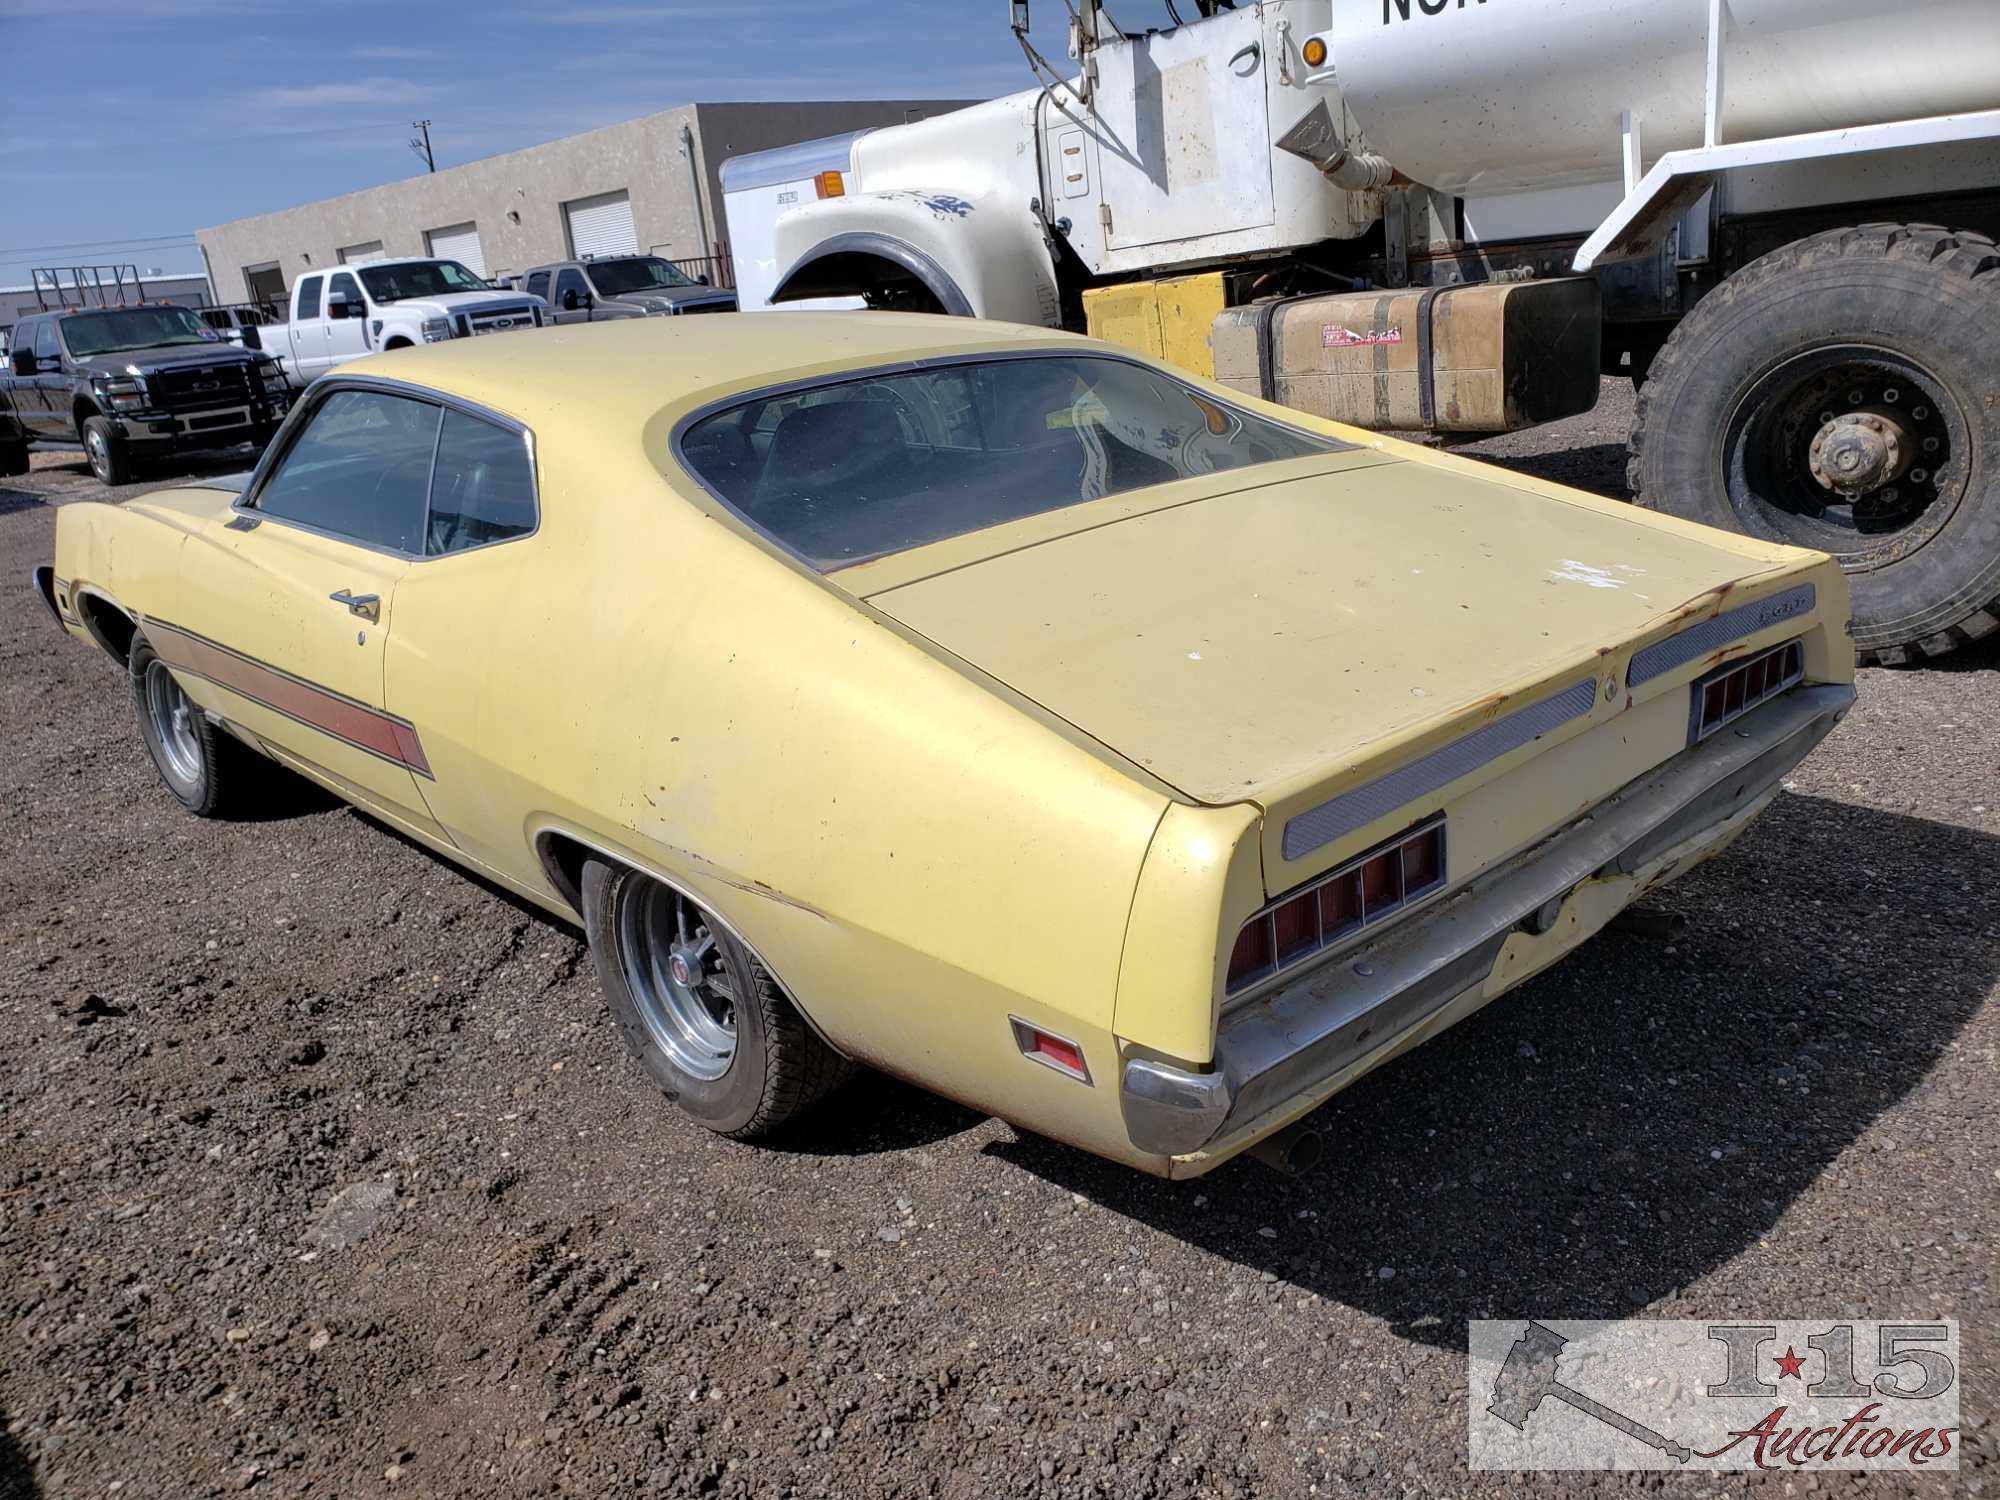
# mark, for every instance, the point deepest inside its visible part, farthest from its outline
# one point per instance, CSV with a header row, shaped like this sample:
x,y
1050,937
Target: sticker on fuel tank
x,y
1334,336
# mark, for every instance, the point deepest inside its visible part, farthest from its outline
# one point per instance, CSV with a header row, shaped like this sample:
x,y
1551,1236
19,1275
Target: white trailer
x,y
1776,215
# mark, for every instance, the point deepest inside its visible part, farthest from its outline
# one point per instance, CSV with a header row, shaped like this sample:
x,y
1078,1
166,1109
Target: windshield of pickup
x,y
644,273
419,278
843,471
119,329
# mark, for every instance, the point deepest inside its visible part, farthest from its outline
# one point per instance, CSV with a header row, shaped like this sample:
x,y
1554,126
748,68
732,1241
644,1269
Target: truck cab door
x,y
48,409
572,296
346,338
287,601
308,329
1184,132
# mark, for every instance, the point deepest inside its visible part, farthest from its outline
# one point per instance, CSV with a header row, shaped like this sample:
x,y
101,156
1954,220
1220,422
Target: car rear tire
x,y
209,773
110,460
1881,338
702,1015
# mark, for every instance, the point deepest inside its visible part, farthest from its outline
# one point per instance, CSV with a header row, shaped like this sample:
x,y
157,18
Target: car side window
x,y
309,297
570,283
344,285
483,489
48,345
538,284
360,469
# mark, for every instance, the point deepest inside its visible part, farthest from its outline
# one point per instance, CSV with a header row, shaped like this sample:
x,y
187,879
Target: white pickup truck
x,y
350,311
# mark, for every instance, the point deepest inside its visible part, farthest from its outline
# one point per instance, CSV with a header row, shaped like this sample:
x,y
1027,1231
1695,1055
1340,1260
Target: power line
x,y
153,241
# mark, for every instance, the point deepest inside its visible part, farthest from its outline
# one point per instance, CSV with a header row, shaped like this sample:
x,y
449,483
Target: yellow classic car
x,y
1121,756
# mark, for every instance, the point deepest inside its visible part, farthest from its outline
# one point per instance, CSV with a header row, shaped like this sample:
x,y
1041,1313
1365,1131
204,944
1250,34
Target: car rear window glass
x,y
309,297
850,470
484,487
360,469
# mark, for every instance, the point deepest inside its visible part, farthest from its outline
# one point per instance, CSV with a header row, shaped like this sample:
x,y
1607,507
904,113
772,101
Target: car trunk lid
x,y
1274,642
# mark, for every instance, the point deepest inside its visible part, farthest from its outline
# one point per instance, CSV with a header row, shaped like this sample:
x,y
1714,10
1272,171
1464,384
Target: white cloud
x,y
361,91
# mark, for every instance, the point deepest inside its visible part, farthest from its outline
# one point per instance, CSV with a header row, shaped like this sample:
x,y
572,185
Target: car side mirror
x,y
22,361
340,307
703,278
569,300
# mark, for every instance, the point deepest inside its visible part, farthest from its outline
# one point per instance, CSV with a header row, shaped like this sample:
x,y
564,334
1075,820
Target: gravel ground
x,y
322,1172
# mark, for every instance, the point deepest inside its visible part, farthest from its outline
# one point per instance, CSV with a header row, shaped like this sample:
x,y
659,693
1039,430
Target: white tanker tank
x,y
1371,210
1487,96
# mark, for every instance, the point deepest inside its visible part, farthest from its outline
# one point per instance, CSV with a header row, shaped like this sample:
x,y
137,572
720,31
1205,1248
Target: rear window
x,y
851,470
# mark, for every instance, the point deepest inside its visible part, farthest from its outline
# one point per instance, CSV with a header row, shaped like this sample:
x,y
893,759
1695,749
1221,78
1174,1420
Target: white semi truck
x,y
1776,215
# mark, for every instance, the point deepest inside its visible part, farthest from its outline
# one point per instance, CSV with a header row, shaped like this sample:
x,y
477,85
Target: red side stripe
x,y
355,723
408,750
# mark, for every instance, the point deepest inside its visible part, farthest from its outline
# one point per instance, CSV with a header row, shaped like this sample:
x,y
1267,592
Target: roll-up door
x,y
459,242
354,255
601,225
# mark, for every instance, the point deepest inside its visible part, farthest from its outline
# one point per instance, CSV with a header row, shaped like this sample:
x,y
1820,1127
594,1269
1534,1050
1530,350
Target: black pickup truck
x,y
132,384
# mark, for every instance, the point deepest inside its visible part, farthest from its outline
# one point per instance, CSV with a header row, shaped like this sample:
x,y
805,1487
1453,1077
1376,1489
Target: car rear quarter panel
x,y
916,856
126,555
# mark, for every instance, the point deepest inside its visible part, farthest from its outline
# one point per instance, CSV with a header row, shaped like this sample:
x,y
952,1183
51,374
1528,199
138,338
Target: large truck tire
x,y
1838,394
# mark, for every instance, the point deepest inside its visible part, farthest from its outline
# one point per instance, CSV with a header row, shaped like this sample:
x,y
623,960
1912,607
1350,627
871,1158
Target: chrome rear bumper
x,y
1284,1044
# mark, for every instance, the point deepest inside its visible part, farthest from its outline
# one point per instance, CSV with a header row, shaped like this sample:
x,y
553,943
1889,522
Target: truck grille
x,y
714,304
200,388
497,320
1732,691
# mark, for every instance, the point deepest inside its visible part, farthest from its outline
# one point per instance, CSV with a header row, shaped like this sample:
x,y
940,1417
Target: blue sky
x,y
167,116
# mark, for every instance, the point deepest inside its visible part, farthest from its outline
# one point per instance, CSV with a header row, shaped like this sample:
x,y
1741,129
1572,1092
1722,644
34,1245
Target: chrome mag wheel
x,y
97,448
173,724
679,977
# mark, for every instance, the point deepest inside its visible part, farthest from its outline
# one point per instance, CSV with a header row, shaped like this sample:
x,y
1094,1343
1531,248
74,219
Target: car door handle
x,y
368,606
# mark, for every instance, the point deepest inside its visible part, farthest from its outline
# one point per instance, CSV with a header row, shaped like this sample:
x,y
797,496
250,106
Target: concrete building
x,y
649,185
187,288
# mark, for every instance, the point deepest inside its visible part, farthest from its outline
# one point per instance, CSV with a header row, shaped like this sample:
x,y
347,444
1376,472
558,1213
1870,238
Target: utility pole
x,y
423,146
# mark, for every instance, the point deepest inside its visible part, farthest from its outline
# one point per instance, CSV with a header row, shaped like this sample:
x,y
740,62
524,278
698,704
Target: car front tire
x,y
707,1021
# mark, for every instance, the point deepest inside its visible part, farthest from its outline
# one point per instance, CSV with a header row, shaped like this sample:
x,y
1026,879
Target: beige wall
x,y
516,199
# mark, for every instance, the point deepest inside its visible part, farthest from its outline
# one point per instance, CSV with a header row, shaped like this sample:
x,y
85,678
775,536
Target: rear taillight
x,y
1385,880
1732,691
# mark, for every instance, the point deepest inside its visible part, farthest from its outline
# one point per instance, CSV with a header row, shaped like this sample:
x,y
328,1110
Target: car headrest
x,y
824,447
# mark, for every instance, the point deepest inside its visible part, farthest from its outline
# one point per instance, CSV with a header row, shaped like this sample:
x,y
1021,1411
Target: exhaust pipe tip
x,y
1293,1151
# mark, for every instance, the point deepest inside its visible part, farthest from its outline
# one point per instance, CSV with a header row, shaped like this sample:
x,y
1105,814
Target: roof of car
x,y
630,371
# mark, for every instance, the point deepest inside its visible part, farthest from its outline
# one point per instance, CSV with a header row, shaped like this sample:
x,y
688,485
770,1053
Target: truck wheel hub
x,y
1851,448
1859,451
